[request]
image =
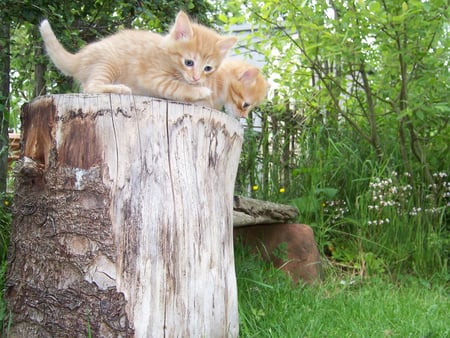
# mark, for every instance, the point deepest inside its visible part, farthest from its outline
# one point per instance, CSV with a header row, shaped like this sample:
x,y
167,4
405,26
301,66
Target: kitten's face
x,y
248,88
197,51
194,66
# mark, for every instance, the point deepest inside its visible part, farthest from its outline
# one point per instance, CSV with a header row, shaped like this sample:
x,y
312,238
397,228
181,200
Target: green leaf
x,y
398,18
328,192
404,7
374,6
223,18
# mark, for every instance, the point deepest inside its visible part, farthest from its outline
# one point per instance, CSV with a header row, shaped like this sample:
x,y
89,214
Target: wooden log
x,y
122,225
249,211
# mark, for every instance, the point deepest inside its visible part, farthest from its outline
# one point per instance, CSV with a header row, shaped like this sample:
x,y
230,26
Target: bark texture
x,y
249,211
123,220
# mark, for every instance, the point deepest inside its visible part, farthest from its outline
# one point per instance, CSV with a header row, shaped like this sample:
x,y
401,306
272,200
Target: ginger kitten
x,y
173,66
237,86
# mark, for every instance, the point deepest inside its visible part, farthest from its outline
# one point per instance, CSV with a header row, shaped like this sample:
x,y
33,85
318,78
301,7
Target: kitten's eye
x,y
246,105
208,69
189,63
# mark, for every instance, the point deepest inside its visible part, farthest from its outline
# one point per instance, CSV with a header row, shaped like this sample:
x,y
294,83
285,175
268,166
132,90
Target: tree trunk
x,y
122,223
40,67
5,58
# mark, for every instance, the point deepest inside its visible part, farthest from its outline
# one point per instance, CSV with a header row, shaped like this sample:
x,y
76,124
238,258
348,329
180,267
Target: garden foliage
x,y
356,133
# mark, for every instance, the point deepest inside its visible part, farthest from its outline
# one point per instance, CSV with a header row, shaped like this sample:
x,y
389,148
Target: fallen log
x,y
249,211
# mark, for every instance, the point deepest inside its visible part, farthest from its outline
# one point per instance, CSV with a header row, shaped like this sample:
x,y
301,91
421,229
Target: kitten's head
x,y
248,87
196,50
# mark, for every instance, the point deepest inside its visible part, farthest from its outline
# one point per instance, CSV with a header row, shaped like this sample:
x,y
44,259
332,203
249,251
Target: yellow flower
x,y
6,202
255,187
282,190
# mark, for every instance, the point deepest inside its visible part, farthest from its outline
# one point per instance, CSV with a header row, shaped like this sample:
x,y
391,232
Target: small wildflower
x,y
6,202
282,190
440,174
255,188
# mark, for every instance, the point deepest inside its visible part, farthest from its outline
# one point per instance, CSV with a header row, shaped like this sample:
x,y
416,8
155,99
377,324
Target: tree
x,y
380,68
4,98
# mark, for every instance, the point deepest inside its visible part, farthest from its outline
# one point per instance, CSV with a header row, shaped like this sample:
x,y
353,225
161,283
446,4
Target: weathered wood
x,y
123,220
14,147
249,211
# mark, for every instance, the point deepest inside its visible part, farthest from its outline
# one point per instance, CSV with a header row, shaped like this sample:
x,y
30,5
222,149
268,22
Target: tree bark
x,y
5,65
122,225
40,67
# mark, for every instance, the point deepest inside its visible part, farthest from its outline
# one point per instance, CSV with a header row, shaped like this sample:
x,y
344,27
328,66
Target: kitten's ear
x,y
225,44
249,76
182,28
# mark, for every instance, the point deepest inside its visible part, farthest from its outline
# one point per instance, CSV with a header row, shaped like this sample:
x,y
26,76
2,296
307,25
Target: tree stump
x,y
122,221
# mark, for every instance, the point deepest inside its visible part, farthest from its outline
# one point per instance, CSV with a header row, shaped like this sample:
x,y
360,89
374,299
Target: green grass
x,y
341,306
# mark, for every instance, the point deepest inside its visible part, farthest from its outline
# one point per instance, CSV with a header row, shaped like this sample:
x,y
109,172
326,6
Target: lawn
x,y
342,305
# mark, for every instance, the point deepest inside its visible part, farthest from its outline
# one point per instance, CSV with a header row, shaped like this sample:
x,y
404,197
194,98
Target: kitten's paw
x,y
202,93
119,89
108,88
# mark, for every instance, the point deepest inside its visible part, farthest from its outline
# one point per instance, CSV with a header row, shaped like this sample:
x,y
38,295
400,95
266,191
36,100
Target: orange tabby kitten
x,y
237,86
145,63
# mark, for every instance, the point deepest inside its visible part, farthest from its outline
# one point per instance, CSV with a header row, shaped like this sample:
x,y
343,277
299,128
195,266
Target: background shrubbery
x,y
357,131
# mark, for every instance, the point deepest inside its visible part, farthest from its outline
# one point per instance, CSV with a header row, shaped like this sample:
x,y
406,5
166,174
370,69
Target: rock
x,y
291,247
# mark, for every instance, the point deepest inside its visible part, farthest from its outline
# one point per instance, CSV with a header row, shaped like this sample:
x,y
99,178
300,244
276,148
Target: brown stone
x,y
291,248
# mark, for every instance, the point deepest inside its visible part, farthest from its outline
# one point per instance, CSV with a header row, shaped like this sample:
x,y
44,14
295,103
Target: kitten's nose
x,y
195,78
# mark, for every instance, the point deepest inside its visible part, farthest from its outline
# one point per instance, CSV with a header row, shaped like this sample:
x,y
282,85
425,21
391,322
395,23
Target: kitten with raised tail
x,y
174,66
236,86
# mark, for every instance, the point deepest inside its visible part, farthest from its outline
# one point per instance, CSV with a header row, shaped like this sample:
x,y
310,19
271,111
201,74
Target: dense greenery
x,y
357,132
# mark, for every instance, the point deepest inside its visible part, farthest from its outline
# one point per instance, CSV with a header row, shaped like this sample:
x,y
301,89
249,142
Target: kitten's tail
x,y
65,61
